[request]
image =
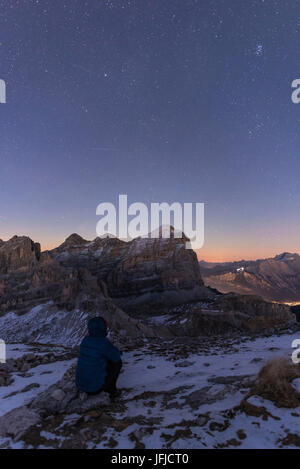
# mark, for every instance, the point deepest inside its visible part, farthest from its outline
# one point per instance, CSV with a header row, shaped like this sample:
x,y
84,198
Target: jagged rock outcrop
x,y
227,314
29,278
38,283
19,253
250,304
260,314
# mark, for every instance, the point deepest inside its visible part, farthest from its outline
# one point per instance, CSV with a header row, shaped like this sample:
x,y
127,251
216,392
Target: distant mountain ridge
x,y
274,279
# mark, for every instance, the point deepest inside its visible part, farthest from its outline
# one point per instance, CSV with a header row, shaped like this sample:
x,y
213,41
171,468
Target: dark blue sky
x,y
173,100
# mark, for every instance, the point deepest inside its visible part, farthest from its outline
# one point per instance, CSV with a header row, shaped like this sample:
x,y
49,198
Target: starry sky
x,y
163,100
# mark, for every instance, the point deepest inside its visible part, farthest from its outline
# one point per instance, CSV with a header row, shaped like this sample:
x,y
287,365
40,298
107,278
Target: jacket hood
x,y
97,327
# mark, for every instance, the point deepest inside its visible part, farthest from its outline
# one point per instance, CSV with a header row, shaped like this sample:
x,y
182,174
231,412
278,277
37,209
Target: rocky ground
x,y
182,393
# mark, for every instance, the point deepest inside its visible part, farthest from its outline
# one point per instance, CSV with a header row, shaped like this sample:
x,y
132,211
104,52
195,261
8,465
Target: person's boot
x,y
114,394
83,396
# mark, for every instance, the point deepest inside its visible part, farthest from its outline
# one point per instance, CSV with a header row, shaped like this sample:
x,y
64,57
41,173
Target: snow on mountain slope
x,y
44,324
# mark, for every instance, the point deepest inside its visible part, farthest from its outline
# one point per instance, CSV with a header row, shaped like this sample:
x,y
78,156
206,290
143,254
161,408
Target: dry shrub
x,y
274,383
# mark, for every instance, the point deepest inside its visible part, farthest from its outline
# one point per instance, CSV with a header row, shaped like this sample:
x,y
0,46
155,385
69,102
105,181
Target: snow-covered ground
x,y
173,396
24,389
185,389
26,385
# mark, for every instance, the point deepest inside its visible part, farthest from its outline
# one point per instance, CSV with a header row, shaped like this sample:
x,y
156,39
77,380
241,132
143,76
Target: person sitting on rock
x,y
99,362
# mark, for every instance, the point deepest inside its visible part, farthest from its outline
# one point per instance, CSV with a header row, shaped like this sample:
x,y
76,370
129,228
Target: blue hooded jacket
x,y
95,352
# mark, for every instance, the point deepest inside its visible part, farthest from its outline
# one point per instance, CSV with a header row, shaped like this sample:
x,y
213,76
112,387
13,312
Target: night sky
x,y
163,100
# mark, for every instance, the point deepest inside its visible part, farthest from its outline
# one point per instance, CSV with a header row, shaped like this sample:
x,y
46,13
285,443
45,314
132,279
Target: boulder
x,y
64,397
15,423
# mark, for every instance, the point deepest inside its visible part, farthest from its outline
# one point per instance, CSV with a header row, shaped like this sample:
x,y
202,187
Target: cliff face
x,y
156,265
155,272
29,277
18,253
138,272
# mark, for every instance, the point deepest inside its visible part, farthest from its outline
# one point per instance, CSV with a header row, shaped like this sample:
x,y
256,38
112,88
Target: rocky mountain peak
x,y
286,256
19,252
166,232
73,240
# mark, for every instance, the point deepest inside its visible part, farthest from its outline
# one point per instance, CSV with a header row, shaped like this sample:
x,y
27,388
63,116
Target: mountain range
x,y
274,279
144,287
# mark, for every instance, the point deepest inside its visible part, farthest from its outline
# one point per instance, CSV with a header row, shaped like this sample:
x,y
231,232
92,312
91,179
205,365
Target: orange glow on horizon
x,y
201,256
219,259
49,247
238,255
